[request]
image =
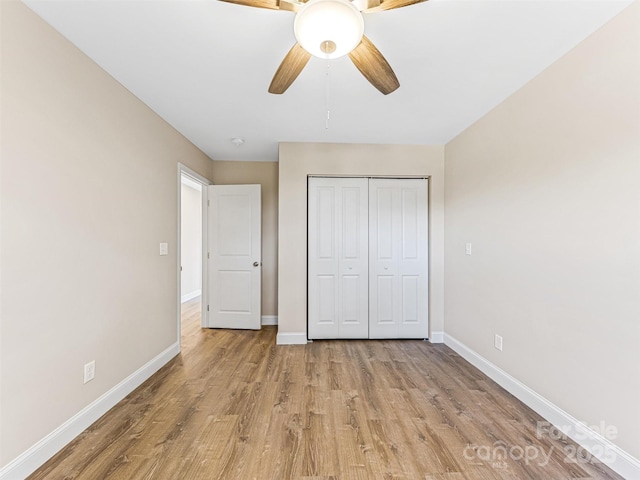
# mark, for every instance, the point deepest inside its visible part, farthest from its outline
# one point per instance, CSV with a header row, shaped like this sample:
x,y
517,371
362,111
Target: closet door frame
x,y
402,320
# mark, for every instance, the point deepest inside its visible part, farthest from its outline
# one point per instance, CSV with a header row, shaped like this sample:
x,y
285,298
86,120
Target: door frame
x,y
204,297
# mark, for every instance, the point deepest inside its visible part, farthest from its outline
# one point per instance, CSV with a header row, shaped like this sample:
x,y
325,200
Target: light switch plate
x,y
467,249
164,249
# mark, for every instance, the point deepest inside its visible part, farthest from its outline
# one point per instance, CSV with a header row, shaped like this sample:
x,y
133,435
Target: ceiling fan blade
x,y
289,5
368,59
272,4
289,69
391,4
366,5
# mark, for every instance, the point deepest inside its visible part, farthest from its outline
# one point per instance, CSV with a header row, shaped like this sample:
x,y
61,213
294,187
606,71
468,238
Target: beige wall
x,y
546,188
265,174
297,161
191,241
88,191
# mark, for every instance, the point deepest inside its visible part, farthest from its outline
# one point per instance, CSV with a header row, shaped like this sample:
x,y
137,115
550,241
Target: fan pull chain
x,y
326,91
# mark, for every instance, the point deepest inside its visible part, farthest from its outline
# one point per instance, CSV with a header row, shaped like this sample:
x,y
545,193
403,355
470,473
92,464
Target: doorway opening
x,y
190,250
192,233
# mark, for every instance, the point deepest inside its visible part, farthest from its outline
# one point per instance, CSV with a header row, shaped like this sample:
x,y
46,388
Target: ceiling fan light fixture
x,y
328,28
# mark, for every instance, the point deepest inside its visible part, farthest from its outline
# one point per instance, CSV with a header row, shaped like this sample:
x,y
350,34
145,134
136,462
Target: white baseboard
x,y
602,448
38,454
436,337
291,339
189,296
269,320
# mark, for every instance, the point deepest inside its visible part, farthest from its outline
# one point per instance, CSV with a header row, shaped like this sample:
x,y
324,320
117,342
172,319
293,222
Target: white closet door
x,y
398,286
338,258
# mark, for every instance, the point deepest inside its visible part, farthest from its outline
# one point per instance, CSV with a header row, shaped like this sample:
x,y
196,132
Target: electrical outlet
x,y
497,342
89,371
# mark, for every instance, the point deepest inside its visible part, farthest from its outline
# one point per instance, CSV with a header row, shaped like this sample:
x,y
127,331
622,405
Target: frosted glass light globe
x,y
328,28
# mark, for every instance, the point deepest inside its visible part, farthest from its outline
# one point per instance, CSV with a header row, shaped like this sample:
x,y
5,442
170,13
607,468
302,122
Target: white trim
x,y
291,339
33,458
190,296
436,337
269,320
195,176
186,181
610,454
204,299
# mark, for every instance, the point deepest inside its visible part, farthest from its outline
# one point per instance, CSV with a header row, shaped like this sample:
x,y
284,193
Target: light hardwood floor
x,y
234,405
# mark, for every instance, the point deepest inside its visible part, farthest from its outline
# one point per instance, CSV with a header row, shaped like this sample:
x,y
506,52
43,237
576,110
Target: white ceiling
x,y
205,65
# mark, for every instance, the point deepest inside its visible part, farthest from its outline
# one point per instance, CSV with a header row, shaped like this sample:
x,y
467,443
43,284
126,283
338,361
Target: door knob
x,y
256,264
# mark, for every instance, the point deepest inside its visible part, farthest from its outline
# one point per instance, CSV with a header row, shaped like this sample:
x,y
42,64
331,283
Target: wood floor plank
x,y
234,405
348,443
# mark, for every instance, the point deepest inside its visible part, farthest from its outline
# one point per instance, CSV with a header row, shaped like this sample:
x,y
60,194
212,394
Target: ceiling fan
x,y
330,29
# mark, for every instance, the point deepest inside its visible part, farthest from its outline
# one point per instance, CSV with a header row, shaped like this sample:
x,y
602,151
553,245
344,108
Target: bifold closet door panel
x,y
338,258
398,285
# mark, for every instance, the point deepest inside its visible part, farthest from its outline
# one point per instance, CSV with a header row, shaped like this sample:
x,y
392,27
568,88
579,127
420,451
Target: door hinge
x,y
207,308
208,255
208,203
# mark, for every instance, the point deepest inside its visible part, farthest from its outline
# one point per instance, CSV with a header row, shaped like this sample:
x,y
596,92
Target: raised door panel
x,y
337,250
413,260
383,259
353,291
398,258
323,263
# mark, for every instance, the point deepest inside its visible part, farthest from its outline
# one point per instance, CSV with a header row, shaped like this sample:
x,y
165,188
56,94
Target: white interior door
x,y
398,262
338,258
234,263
